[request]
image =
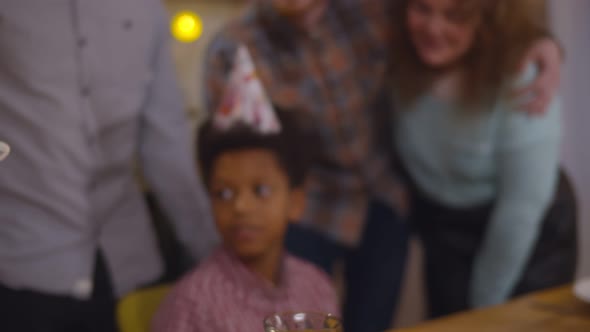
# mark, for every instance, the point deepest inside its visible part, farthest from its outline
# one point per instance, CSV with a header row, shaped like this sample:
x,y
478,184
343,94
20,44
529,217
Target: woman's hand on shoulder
x,y
547,55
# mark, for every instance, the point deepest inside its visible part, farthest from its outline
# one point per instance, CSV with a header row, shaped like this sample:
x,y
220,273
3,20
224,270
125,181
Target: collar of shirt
x,y
241,275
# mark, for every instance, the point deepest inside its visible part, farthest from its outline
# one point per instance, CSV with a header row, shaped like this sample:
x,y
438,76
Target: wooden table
x,y
555,310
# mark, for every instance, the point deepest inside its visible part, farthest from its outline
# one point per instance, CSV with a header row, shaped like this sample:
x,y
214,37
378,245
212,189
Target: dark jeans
x,y
30,311
451,238
373,271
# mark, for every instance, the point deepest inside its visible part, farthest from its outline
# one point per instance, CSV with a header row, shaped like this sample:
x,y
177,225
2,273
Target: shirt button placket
x,y
82,42
128,24
85,91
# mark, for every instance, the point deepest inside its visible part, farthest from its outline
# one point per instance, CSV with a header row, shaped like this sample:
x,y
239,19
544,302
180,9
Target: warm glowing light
x,y
187,27
4,150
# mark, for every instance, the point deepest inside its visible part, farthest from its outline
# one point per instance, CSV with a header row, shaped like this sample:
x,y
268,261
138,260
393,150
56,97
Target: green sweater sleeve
x,y
527,172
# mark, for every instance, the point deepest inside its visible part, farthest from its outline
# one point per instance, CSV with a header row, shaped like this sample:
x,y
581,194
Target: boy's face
x,y
252,201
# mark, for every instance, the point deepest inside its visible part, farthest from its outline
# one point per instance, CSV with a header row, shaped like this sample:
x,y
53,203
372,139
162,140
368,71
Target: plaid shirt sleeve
x,y
218,63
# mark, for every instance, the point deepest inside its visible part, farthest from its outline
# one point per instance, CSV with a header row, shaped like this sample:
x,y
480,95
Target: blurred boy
x,y
254,164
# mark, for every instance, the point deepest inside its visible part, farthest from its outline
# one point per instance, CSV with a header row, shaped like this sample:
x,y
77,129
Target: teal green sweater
x,y
463,158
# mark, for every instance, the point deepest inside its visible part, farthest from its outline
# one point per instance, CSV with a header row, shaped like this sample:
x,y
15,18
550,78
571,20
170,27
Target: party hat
x,y
245,100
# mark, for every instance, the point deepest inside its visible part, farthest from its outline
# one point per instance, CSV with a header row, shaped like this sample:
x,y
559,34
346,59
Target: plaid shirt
x,y
336,74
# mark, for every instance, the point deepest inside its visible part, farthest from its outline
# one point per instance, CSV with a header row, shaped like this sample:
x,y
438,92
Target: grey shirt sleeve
x,y
167,159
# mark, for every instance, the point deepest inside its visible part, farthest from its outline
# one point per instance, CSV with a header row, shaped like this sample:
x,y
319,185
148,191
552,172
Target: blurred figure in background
x,y
86,87
496,216
330,59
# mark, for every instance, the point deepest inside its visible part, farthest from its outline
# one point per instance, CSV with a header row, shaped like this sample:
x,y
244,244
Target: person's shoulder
x,y
301,271
517,127
193,299
314,287
509,105
204,279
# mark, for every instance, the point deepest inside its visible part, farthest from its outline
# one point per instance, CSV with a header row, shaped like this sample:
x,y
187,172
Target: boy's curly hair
x,y
293,146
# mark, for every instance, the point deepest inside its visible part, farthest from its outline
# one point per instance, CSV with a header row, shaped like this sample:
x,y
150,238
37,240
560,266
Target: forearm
x,y
526,191
509,240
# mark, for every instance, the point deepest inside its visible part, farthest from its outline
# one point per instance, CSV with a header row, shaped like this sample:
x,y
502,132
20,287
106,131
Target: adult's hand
x,y
547,54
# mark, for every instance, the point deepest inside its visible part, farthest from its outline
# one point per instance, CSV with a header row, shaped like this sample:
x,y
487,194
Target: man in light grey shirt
x,y
87,92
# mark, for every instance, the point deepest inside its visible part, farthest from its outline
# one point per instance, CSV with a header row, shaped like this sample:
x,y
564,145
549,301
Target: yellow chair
x,y
135,311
